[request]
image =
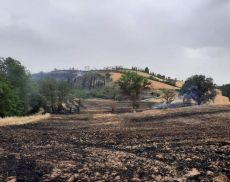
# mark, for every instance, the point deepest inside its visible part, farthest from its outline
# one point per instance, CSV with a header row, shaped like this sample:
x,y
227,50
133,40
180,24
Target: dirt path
x,y
179,144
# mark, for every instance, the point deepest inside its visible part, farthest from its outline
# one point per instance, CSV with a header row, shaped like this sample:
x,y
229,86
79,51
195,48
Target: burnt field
x,y
188,144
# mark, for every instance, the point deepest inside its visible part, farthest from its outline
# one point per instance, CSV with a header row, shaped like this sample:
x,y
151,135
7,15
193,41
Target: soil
x,y
187,144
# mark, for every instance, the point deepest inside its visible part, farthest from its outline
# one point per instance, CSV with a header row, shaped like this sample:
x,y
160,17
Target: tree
x,y
107,77
199,88
63,92
49,94
58,96
147,70
168,96
131,85
8,100
35,99
226,90
17,78
72,101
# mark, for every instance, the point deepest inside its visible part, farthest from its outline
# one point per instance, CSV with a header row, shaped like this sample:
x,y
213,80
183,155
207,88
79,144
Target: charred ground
x,y
162,145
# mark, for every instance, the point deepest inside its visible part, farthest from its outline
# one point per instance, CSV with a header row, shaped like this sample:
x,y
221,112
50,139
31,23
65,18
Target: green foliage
x,y
107,77
160,76
63,91
35,100
147,70
170,82
167,81
226,90
17,79
168,96
132,84
108,92
153,78
81,93
57,95
199,88
49,93
8,100
16,74
93,80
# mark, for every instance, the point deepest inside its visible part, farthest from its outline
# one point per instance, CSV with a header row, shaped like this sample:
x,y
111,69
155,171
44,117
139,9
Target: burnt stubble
x,y
188,144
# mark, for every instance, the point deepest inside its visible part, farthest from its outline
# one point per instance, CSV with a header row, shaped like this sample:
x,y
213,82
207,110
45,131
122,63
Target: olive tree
x,y
168,96
132,85
199,88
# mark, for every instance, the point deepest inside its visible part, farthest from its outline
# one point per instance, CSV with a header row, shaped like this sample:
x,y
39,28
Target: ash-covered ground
x,y
187,144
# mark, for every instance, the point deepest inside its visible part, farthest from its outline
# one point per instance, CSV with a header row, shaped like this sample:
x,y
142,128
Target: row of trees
x,y
153,75
146,70
197,88
20,95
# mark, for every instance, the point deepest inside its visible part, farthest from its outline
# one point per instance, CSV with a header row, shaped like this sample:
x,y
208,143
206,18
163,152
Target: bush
x,y
226,90
107,92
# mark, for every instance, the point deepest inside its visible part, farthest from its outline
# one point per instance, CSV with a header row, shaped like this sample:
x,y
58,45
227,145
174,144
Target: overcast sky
x,y
178,38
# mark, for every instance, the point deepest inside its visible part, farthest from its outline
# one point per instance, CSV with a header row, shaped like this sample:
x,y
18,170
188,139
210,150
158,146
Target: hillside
x,y
59,74
155,85
77,76
98,78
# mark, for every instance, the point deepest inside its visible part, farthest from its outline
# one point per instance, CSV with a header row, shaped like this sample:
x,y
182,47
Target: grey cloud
x,y
178,38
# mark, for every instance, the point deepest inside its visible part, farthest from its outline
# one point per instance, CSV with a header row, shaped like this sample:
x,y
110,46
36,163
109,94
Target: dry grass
x,y
155,85
220,99
23,120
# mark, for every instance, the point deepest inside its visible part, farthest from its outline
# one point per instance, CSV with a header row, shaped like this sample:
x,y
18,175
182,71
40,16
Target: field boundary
x,y
23,120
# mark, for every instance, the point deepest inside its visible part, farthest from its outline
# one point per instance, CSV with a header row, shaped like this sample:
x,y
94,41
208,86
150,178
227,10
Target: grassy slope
x,y
154,84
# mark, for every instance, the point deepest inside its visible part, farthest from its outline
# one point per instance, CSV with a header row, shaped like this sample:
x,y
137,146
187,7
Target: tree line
x,y
20,95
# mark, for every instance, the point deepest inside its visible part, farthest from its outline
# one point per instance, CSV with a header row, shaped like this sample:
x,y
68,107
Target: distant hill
x,y
59,74
95,79
77,78
83,79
